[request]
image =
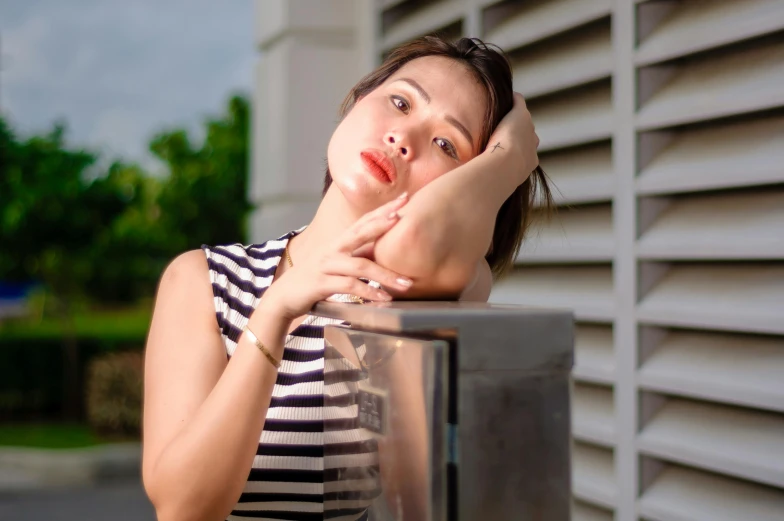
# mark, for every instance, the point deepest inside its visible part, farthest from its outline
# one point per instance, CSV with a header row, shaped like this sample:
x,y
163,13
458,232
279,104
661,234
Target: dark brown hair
x,y
491,68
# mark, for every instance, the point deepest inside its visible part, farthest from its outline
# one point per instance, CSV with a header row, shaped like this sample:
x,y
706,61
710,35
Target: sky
x,y
118,71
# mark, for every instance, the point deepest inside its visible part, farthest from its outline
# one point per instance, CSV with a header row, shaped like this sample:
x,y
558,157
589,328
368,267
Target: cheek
x,y
338,149
352,135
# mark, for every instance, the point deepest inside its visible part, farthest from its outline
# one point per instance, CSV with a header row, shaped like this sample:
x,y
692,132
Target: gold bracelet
x,y
253,338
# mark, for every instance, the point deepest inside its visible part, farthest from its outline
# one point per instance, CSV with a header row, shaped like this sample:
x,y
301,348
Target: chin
x,y
361,192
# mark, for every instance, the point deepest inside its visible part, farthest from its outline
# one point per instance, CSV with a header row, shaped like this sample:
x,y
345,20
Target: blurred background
x,y
124,133
132,132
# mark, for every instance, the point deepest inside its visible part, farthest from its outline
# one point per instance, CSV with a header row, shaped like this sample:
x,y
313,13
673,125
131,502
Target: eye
x,y
446,146
400,103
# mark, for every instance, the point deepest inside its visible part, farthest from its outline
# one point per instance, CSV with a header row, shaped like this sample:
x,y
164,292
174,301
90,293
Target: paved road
x,y
116,501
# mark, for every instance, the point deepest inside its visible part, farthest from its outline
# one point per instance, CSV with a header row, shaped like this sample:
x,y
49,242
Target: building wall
x,y
309,57
662,125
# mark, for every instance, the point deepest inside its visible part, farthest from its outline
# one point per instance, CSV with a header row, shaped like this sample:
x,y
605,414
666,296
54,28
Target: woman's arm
x,y
447,227
202,414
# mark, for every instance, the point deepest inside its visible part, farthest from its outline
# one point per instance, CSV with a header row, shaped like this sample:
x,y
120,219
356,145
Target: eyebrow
x,y
425,96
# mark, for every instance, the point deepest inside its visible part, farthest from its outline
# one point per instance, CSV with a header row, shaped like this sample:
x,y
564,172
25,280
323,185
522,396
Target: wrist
x,y
269,318
272,305
507,168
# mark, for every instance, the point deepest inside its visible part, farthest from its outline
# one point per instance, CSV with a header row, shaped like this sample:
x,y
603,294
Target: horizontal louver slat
x,y
585,289
537,20
594,360
718,226
581,175
738,442
696,25
735,297
736,369
585,512
690,495
423,21
581,234
565,62
728,84
740,154
593,475
593,417
573,117
386,4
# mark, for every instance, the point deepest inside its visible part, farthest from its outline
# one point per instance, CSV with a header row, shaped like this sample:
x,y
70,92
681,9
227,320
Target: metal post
x,y
491,384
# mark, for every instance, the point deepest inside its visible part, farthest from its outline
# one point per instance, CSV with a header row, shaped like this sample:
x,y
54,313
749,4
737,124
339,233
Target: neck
x,y
333,217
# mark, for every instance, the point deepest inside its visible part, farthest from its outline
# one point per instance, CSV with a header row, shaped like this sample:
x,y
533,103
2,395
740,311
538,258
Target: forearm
x,y
202,471
447,226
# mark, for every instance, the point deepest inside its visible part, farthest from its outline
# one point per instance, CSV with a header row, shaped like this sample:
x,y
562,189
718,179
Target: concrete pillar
x,y
310,54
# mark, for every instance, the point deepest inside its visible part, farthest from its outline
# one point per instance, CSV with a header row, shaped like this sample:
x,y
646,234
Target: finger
x,y
366,251
353,286
358,267
368,231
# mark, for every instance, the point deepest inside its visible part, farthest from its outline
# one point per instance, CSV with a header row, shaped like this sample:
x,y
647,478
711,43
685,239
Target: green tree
x,y
204,200
134,248
103,235
51,219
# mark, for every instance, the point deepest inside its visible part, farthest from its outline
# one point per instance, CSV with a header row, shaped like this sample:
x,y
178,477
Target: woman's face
x,y
422,122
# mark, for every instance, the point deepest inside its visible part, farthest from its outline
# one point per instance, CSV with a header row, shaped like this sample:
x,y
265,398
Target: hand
x,y
338,270
515,135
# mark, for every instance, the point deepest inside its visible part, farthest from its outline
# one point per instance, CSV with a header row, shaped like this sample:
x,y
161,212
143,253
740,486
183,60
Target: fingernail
x,y
392,215
403,195
404,282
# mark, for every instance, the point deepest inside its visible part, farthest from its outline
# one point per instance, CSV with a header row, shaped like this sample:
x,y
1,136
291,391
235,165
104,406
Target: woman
x,y
227,432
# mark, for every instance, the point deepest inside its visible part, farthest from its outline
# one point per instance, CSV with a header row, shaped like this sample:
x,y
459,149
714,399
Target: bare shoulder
x,y
185,283
186,268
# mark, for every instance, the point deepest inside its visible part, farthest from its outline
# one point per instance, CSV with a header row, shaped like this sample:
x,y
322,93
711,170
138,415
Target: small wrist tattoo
x,y
497,145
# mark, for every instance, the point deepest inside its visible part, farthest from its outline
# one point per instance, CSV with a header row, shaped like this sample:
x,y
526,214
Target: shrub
x,y
114,394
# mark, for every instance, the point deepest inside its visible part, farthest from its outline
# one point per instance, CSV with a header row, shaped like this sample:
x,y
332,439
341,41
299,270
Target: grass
x,y
116,324
50,436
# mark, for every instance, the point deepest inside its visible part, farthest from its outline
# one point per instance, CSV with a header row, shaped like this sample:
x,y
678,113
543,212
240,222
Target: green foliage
x,y
47,436
131,253
94,234
105,234
104,325
205,199
53,220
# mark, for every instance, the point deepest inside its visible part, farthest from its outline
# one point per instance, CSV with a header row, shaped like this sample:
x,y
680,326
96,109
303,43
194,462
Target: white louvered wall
x,y
662,126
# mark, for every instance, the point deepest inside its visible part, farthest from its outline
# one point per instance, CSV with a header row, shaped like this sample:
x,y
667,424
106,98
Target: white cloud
x,y
118,71
23,60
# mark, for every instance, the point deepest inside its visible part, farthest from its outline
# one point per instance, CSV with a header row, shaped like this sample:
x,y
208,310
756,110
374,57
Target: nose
x,y
401,142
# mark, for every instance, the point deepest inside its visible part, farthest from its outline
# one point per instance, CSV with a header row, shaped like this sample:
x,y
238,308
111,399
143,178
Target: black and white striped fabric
x,y
313,461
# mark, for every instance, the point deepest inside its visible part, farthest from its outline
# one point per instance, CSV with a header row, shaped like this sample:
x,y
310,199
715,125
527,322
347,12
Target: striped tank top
x,y
306,467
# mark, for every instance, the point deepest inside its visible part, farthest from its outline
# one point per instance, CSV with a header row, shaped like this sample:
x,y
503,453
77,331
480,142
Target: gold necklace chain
x,y
354,298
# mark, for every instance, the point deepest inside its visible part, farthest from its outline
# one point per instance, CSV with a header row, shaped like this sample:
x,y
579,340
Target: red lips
x,y
379,165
